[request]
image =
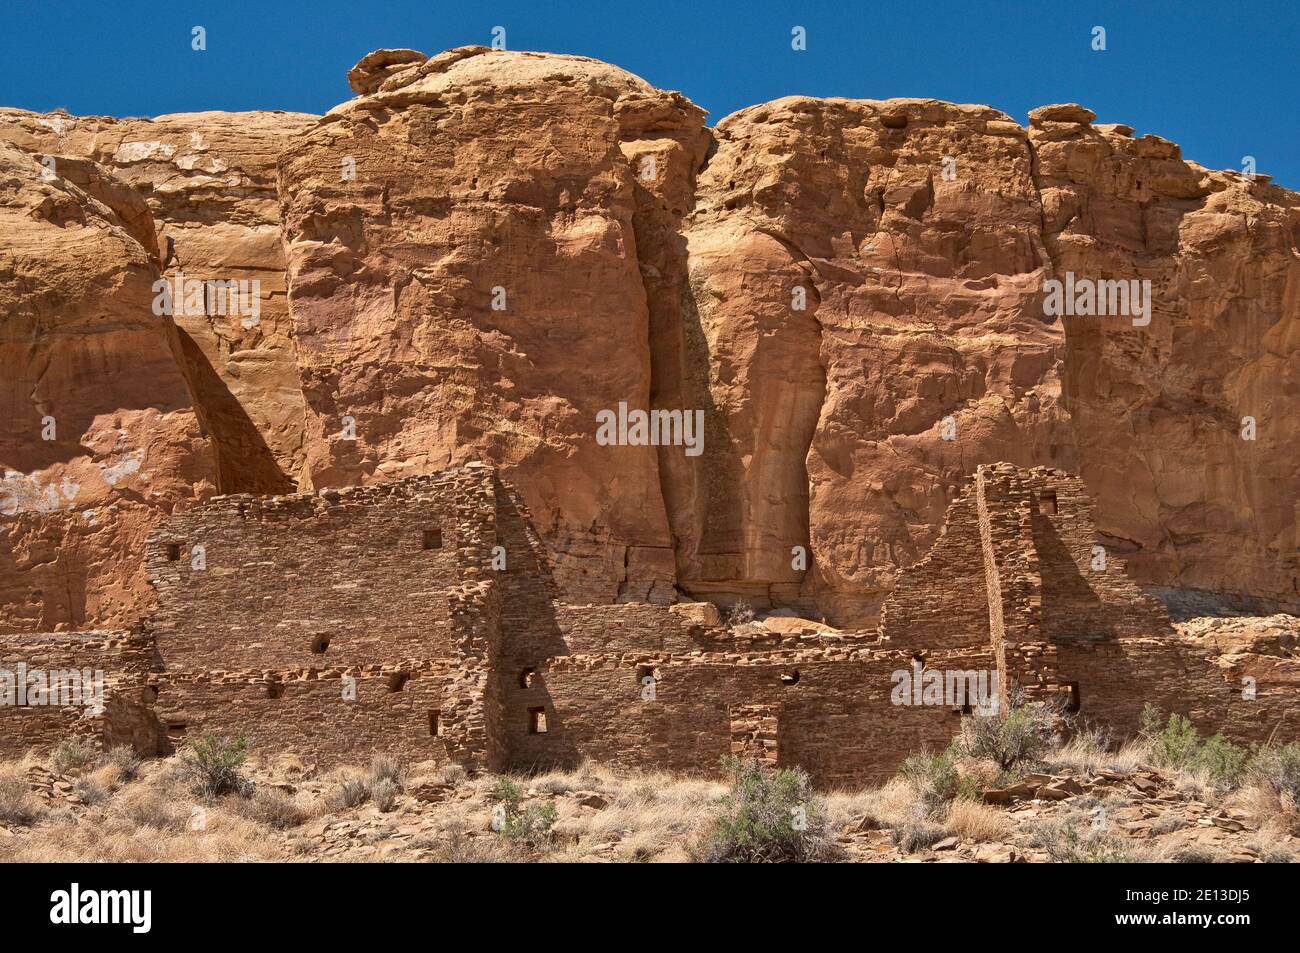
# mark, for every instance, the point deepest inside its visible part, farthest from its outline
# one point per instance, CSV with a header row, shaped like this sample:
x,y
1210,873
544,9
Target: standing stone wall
x,y
421,618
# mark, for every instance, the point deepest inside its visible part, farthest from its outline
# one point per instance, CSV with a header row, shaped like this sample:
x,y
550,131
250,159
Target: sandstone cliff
x,y
483,250
208,180
98,431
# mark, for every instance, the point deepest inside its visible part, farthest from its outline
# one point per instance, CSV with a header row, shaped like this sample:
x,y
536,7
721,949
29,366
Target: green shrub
x,y
72,754
212,765
937,781
1016,735
769,816
523,826
1177,744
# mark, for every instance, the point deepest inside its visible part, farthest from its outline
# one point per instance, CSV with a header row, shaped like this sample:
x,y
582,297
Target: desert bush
x,y
211,764
529,826
1176,744
768,816
97,786
127,762
18,806
917,834
1273,853
1197,854
72,754
1019,733
1073,837
384,767
273,808
937,781
350,793
456,844
1278,769
452,774
384,794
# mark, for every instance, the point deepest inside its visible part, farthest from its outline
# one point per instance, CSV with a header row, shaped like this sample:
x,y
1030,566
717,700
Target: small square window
x,y
537,721
433,539
173,552
1047,503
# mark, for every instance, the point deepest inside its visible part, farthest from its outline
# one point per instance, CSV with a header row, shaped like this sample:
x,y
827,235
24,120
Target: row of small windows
x,y
431,539
528,675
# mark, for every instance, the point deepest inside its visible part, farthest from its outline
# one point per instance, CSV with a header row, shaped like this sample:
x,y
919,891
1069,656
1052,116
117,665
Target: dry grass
x,y
973,821
18,806
890,806
1276,811
648,815
147,813
1084,754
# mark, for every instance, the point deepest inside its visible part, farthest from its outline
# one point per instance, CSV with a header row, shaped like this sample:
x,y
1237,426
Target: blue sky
x,y
1220,79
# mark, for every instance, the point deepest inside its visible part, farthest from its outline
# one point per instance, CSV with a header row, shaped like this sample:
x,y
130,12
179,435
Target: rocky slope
x,y
484,250
1075,814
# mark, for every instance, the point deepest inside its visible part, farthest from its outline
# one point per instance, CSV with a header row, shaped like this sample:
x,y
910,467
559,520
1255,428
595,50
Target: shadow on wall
x,y
245,463
1071,608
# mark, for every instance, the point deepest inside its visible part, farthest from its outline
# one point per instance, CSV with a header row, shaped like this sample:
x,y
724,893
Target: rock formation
x,y
209,183
465,284
98,432
484,250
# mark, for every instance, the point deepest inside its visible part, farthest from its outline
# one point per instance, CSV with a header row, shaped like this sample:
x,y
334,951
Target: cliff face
x,y
484,251
98,432
208,181
1158,409
465,284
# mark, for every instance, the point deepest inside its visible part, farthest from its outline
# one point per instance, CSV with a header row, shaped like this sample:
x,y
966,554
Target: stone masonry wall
x,y
338,624
123,658
834,712
938,602
323,717
421,618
